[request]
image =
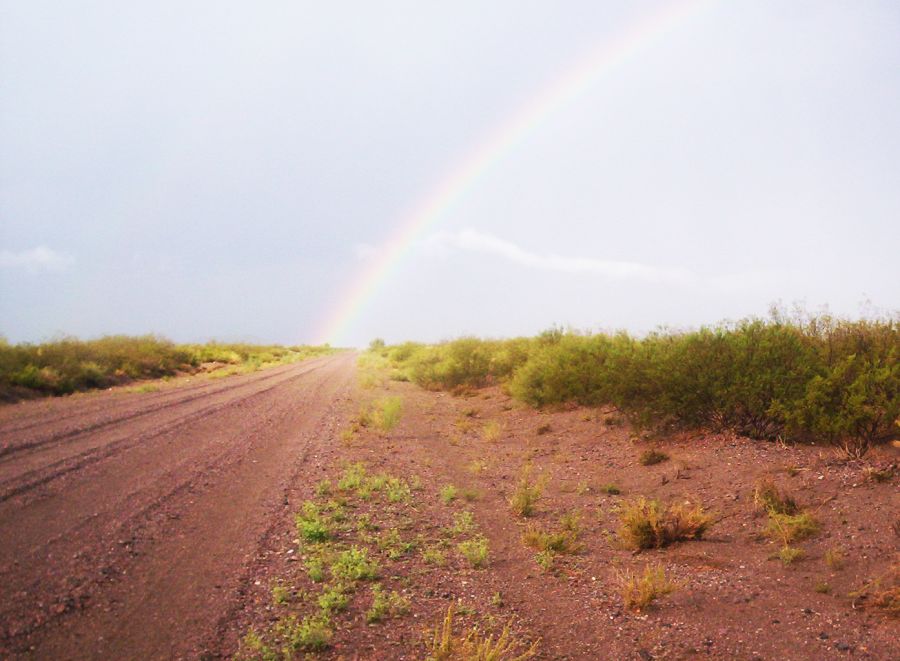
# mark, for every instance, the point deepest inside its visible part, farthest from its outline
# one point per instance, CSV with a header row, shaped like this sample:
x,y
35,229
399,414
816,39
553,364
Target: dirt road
x,y
127,520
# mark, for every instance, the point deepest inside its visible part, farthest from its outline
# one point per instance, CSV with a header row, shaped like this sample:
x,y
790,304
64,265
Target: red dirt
x,y
128,520
155,526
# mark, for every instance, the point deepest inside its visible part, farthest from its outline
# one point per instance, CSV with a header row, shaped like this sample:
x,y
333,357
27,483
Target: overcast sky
x,y
224,169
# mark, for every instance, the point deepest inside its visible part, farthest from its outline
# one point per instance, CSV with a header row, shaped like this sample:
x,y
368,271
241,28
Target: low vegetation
x,y
801,377
68,365
646,524
639,591
475,645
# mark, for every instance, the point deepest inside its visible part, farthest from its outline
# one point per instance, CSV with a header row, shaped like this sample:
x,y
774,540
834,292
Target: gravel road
x,y
128,520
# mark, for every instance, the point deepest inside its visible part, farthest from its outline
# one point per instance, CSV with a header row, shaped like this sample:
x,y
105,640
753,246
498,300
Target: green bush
x,y
67,365
804,378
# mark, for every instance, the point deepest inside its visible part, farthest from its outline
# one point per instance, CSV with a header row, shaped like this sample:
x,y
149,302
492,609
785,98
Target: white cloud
x,y
474,241
36,260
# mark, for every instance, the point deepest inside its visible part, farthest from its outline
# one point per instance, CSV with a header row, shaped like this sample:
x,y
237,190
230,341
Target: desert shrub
x,y
853,404
645,524
572,368
67,364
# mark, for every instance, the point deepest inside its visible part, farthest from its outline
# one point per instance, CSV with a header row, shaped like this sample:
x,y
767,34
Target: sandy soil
x,y
156,525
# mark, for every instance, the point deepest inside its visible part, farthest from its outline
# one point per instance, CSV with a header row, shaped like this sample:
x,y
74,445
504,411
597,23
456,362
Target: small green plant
x,y
448,494
434,556
387,413
397,490
545,560
475,551
640,590
323,488
386,604
822,588
491,431
315,568
311,634
353,477
610,489
333,599
392,544
354,564
651,457
525,495
312,526
280,594
646,524
463,522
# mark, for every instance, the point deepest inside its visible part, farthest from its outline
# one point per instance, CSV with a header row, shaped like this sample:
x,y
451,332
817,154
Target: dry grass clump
x,y
651,457
769,498
526,494
883,592
491,431
645,524
787,528
834,558
563,541
475,645
640,590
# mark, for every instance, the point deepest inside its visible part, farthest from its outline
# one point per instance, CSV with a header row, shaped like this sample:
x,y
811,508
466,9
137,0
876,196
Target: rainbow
x,y
562,92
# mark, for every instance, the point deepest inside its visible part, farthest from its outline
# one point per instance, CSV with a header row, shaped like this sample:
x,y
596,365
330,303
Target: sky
x,y
244,171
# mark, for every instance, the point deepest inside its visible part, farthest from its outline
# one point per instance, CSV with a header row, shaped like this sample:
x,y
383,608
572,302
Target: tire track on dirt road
x,y
137,554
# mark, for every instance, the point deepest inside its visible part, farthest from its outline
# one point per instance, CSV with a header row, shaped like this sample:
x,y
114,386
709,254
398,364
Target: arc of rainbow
x,y
562,92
